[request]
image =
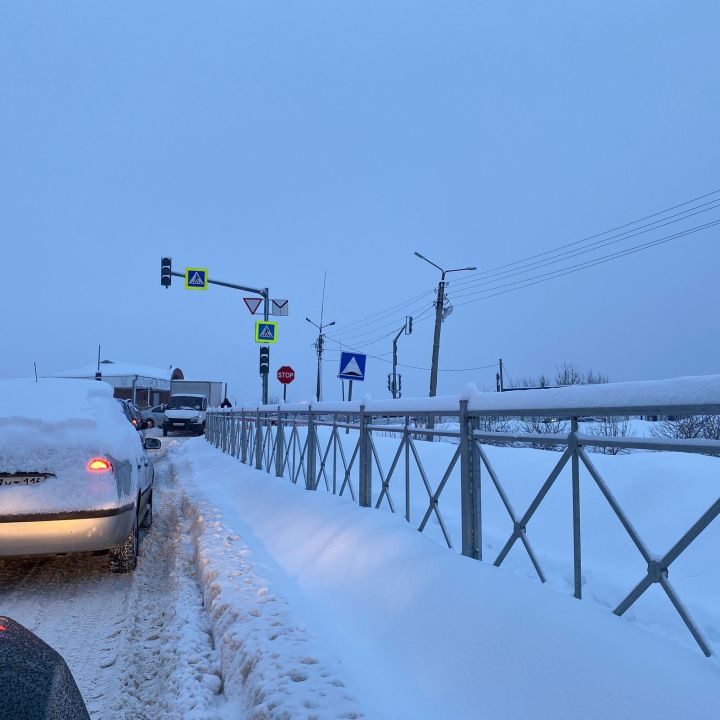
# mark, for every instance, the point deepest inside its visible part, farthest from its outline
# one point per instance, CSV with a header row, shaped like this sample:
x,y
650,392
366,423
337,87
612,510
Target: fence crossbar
x,y
386,479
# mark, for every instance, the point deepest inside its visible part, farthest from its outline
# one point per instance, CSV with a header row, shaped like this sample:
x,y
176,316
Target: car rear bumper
x,y
49,533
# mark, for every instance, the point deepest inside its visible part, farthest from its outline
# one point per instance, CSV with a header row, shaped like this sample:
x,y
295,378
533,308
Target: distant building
x,y
146,386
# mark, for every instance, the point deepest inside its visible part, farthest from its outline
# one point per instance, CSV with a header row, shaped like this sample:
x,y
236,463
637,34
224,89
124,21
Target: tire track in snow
x,y
139,645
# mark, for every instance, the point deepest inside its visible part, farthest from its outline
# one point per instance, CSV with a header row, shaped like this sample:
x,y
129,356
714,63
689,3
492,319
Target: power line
x,y
417,367
546,277
613,240
370,322
597,235
353,338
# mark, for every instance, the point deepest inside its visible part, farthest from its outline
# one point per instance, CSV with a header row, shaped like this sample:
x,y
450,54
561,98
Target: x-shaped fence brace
x,y
224,434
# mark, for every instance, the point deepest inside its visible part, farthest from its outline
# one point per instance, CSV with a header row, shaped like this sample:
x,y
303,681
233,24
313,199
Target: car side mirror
x,y
152,444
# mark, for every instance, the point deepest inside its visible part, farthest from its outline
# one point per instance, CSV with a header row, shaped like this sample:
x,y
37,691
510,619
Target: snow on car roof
x,y
63,411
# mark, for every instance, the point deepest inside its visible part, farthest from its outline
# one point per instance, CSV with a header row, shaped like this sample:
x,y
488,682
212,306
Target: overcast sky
x,y
271,141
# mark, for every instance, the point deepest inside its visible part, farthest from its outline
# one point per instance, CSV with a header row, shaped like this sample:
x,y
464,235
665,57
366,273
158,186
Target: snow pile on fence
x,y
684,395
425,633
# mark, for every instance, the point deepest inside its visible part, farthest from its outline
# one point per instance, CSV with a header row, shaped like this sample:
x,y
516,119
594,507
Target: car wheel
x,y
150,423
147,520
164,432
123,559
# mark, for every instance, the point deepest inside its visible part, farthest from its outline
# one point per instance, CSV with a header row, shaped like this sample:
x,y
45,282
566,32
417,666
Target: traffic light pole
x,y
264,292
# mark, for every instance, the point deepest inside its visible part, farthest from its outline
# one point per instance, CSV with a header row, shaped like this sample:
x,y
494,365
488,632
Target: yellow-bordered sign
x,y
196,278
265,331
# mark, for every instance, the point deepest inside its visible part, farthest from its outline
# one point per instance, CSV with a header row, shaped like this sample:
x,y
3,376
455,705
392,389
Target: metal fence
x,y
284,441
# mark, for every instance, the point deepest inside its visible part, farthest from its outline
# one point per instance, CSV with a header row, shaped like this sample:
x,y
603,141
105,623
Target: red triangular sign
x,y
253,304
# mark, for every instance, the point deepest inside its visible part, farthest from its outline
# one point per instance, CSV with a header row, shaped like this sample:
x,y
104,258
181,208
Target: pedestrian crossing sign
x,y
196,278
265,331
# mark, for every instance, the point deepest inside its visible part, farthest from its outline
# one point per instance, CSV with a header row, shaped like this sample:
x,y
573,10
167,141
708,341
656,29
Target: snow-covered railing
x,y
284,440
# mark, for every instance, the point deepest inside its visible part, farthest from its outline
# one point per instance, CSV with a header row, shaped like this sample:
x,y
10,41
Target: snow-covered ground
x,y
420,632
254,598
140,645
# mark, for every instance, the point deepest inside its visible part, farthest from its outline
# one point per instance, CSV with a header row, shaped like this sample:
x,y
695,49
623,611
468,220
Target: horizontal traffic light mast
x,y
166,276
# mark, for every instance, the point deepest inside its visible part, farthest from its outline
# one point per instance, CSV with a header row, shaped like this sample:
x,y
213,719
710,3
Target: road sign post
x,y
285,375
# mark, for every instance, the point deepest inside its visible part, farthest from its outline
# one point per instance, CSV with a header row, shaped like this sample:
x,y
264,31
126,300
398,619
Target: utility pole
x,y
320,341
499,377
440,315
319,344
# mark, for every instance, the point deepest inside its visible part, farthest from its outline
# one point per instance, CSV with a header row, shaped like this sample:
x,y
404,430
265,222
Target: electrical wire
x,y
546,277
465,283
369,324
597,235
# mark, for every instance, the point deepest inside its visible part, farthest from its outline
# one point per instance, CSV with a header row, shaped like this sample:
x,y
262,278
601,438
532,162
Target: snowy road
x,y
138,645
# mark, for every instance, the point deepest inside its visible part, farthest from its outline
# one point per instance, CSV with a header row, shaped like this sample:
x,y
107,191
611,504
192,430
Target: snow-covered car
x,y
74,473
185,413
154,417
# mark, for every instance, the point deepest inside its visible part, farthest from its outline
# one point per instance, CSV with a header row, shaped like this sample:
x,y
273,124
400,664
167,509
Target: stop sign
x,y
285,374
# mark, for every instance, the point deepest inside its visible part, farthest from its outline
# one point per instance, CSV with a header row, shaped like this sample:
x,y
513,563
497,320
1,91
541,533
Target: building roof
x,y
123,374
119,368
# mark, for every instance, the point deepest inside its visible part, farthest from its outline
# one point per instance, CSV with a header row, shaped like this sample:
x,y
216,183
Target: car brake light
x,y
99,465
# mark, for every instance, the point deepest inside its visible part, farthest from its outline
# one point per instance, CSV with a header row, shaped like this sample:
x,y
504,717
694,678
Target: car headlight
x,y
195,419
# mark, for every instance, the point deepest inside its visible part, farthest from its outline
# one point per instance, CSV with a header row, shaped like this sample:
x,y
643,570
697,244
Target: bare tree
x,y
569,374
611,427
704,427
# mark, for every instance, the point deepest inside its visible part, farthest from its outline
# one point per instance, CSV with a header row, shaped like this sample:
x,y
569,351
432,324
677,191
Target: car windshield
x,y
185,402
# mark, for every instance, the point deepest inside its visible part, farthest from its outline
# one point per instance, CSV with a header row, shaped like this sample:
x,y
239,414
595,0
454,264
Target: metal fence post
x,y
258,441
469,487
311,452
279,446
365,459
243,438
577,556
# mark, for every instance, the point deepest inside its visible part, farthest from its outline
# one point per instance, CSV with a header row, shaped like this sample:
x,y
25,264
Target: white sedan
x,y
74,473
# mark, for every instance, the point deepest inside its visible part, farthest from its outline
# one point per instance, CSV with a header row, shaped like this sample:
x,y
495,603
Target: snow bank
x,y
56,426
428,634
271,665
677,395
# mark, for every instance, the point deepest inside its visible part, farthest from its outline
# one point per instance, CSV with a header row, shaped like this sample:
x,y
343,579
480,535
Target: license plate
x,y
178,424
7,480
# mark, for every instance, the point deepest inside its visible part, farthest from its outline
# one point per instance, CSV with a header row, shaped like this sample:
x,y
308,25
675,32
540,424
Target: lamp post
x,y
439,304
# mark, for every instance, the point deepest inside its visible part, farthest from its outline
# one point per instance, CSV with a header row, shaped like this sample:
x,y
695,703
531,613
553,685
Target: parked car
x,y
185,413
133,414
154,417
74,475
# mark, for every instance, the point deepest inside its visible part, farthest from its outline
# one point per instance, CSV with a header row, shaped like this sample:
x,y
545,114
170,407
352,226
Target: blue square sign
x,y
352,366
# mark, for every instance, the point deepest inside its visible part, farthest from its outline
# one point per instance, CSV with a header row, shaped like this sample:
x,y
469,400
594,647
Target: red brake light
x,y
99,465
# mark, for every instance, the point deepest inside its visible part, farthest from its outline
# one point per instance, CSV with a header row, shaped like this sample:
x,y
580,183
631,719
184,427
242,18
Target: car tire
x,y
164,432
123,558
147,520
150,423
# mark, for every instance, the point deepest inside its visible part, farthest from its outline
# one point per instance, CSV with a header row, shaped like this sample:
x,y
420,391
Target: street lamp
x,y
439,306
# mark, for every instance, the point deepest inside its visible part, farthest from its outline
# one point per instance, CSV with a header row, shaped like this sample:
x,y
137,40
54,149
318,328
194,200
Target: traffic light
x,y
408,324
165,271
264,360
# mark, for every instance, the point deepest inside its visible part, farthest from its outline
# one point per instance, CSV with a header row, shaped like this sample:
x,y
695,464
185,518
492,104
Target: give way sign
x,y
285,374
